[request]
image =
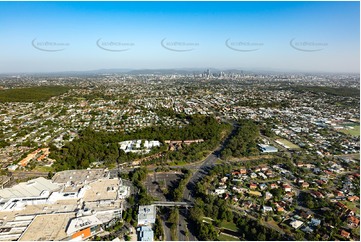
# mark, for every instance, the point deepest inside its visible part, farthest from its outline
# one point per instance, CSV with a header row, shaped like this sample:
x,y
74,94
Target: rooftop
x,y
267,148
79,177
145,233
55,225
102,190
146,214
77,224
32,188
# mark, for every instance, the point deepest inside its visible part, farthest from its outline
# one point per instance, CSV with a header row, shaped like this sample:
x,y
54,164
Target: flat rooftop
x,y
102,190
146,214
47,227
79,177
64,206
77,224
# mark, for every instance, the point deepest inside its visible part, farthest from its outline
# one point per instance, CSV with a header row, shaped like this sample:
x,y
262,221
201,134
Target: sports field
x,y
287,144
355,131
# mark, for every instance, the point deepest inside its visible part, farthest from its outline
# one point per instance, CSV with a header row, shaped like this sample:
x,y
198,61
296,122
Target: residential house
x,y
243,171
236,173
268,195
305,185
296,224
273,186
257,169
262,186
224,179
307,229
315,222
353,198
220,191
280,209
345,234
247,204
316,194
253,175
306,214
269,173
287,188
267,209
353,221
253,186
255,193
338,193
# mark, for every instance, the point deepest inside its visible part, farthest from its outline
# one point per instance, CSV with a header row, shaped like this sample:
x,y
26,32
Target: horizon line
x,y
126,70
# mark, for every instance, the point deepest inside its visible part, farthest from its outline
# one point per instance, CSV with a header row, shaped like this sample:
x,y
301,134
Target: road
x,y
202,169
208,163
183,232
199,171
182,227
166,231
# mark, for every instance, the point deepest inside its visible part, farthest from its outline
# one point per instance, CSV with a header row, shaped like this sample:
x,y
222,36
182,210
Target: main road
x,y
202,169
199,171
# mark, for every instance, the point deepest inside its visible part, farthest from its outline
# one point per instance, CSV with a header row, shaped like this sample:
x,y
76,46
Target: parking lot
x,y
158,181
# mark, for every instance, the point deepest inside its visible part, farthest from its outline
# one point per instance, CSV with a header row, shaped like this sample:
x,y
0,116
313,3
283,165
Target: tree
x,y
196,213
50,175
158,229
261,237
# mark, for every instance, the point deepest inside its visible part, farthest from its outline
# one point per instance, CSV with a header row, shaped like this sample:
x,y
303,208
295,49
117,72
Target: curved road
x,y
202,169
199,171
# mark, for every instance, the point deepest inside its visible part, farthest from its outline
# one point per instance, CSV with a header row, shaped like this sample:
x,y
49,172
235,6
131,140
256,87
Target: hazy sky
x,y
281,36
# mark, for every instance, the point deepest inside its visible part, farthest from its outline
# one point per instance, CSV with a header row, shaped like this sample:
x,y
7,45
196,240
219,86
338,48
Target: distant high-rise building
x,y
208,72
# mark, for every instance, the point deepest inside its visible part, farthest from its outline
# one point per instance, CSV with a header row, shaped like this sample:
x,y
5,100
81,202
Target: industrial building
x,y
267,148
145,233
146,219
146,215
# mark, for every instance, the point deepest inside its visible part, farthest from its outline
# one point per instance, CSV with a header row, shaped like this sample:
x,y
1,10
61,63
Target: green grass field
x,y
229,225
354,132
43,169
177,163
31,94
224,237
353,206
288,143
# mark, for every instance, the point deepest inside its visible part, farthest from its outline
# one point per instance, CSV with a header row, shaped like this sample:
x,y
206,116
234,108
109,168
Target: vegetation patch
x,y
92,146
243,143
355,206
334,91
31,94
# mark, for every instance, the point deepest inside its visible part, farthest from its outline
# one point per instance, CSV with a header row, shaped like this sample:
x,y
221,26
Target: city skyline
x,y
250,36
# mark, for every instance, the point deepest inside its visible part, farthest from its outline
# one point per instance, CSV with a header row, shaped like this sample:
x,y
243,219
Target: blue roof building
x,y
267,148
145,233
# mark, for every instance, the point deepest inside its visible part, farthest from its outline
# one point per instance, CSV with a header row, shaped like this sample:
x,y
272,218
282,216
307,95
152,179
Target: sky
x,y
267,36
